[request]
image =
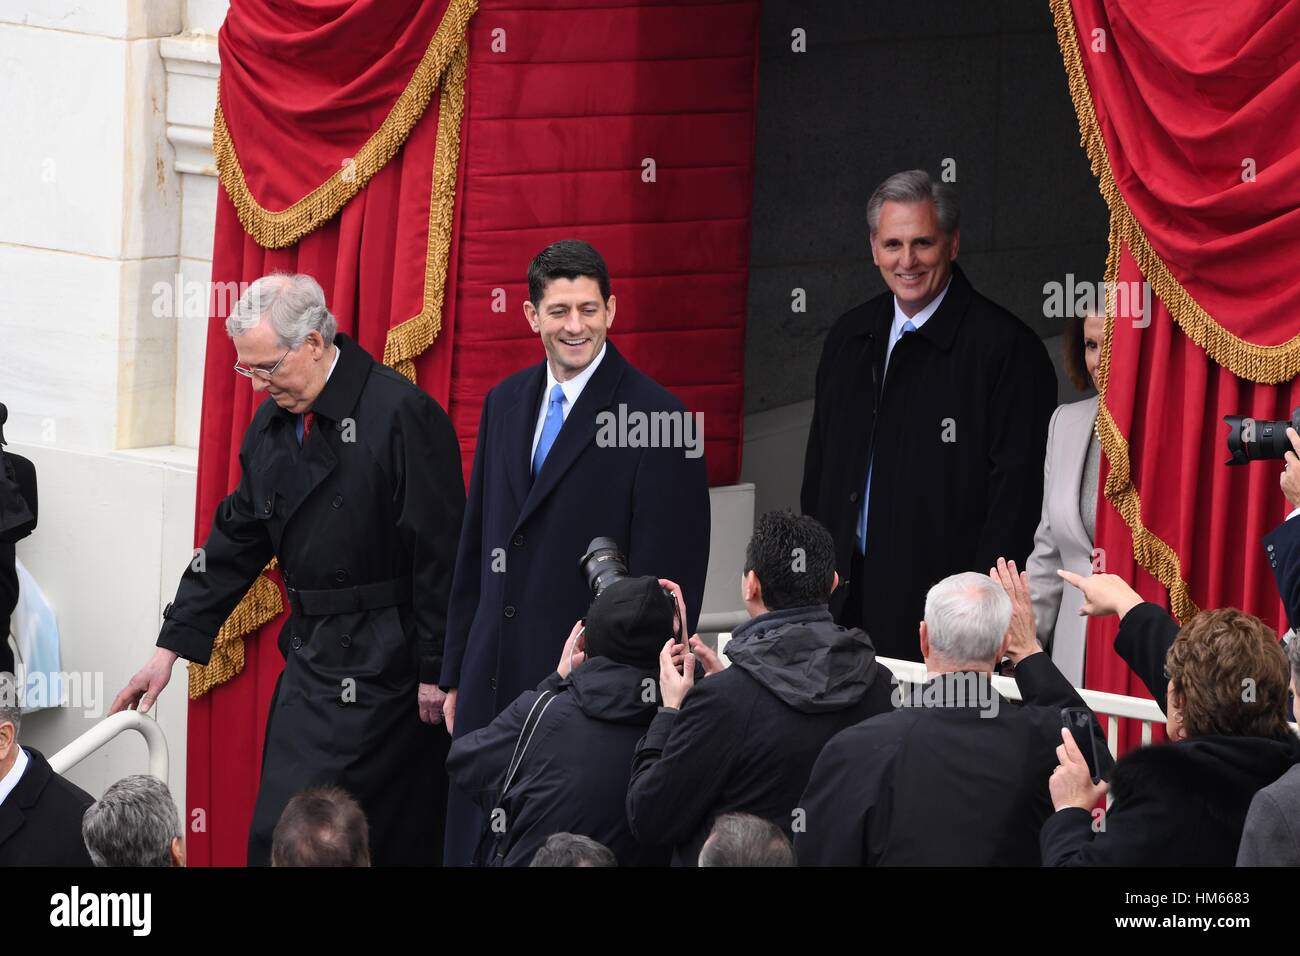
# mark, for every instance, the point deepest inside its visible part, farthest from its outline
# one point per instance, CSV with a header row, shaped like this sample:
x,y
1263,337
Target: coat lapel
x,y
518,425
579,429
1079,425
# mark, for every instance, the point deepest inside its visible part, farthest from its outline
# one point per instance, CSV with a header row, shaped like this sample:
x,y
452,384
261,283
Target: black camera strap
x,y
544,700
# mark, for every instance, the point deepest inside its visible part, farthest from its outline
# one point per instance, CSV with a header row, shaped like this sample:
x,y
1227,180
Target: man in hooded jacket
x,y
746,738
573,775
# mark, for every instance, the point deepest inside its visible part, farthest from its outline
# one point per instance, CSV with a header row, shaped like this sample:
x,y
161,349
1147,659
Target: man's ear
x,y
530,313
751,588
925,642
178,851
871,243
835,581
611,306
956,244
1002,651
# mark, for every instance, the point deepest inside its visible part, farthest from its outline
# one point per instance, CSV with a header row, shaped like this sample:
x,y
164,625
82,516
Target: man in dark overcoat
x,y
579,446
929,430
351,477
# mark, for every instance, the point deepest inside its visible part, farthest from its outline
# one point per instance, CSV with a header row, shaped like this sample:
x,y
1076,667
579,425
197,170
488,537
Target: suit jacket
x,y
958,430
364,518
1272,833
517,589
942,785
1282,545
40,820
1061,540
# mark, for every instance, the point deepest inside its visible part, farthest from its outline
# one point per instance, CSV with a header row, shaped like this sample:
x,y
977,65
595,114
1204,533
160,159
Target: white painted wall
x,y
107,192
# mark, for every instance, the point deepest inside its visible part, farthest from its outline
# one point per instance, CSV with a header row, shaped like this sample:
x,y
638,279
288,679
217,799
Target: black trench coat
x,y
959,429
364,519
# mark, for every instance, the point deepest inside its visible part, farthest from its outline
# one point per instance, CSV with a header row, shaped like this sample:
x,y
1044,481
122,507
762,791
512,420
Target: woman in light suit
x,y
1069,522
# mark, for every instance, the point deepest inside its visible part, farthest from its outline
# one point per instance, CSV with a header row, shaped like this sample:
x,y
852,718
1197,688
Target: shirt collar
x,y
574,386
924,315
15,774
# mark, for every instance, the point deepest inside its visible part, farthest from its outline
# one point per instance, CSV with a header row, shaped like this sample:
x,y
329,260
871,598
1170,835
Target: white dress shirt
x,y
918,320
572,389
14,775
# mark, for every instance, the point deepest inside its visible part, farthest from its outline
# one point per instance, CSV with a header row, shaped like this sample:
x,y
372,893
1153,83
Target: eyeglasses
x,y
260,372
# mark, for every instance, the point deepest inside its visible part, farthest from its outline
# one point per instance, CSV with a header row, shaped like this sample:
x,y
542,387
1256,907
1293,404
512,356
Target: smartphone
x,y
1078,721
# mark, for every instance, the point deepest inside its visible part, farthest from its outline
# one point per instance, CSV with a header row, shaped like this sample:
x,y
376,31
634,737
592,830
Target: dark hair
x,y
322,826
742,839
1216,659
793,558
566,259
572,849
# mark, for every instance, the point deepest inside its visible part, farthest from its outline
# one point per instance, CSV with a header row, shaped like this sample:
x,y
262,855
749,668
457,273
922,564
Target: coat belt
x,y
363,597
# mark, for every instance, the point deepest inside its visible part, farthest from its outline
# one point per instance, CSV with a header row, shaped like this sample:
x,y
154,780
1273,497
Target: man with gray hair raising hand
x,y
955,776
351,477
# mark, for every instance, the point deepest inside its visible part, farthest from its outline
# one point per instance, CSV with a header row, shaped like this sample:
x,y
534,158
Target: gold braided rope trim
x,y
406,341
261,604
410,338
277,229
1151,551
1266,364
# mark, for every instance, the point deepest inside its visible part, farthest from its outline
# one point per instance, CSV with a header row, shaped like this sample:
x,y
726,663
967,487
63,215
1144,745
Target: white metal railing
x,y
106,730
1109,708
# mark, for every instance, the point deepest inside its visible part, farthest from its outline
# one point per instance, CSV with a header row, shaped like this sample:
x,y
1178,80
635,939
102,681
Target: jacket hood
x,y
1222,773
803,657
604,689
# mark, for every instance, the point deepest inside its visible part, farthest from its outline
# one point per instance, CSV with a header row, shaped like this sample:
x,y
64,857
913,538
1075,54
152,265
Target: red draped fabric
x,y
1188,116
565,104
558,121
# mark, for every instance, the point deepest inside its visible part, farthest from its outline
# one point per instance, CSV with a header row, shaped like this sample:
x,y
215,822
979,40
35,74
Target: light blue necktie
x,y
550,427
866,487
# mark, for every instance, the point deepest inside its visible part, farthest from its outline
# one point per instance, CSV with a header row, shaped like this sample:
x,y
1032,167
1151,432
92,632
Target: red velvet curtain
x,y
1188,117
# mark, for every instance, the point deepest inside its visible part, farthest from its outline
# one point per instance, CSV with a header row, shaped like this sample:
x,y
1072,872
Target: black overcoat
x,y
518,589
960,433
364,519
40,820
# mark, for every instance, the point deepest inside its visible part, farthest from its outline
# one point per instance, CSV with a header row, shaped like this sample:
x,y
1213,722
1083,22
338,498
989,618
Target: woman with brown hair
x,y
1221,681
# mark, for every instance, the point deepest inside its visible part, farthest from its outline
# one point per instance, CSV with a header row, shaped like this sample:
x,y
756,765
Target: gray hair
x,y
966,618
915,185
132,824
742,839
573,849
295,304
10,702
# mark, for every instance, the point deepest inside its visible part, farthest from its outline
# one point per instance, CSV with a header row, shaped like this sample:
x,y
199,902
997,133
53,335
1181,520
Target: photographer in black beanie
x,y
576,734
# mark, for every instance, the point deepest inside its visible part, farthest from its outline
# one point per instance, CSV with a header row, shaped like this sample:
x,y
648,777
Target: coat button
x,y
1270,547
297,642
338,501
510,610
493,682
853,497
519,541
340,575
346,640
266,507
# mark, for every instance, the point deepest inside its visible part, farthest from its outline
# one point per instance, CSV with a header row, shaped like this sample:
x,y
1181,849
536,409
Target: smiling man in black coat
x,y
351,477
554,469
929,426
745,739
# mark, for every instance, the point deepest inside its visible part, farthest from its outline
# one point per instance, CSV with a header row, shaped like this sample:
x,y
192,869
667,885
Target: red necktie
x,y
307,419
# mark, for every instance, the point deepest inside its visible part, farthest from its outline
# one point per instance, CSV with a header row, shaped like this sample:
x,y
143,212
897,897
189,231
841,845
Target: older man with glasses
x,y
351,477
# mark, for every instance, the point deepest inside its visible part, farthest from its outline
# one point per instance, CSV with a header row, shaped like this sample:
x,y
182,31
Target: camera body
x,y
1252,439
